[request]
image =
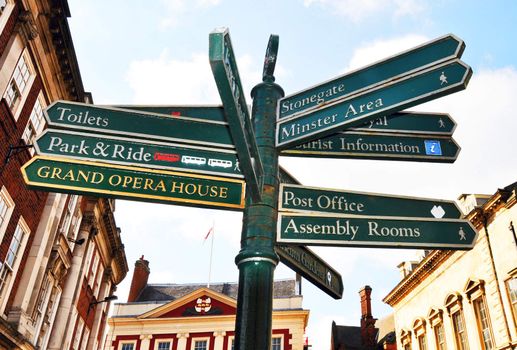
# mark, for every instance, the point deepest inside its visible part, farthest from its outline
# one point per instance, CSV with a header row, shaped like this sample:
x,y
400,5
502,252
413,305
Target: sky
x,y
156,52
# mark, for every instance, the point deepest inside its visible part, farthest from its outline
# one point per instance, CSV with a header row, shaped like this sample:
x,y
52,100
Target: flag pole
x,y
211,251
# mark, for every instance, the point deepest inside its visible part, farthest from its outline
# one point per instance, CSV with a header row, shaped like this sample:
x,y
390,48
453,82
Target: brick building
x,y
372,334
194,316
464,299
59,254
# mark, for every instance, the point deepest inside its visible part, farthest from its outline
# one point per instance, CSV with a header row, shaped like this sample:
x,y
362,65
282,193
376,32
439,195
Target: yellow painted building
x,y
464,299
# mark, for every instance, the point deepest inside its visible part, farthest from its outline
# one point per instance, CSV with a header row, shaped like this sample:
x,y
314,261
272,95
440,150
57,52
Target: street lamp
x,y
106,299
79,241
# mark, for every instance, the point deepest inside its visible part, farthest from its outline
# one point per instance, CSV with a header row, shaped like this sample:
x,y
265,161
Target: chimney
x,y
368,330
139,281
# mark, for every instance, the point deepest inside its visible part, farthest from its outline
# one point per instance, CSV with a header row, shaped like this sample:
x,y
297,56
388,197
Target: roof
x,y
168,292
346,337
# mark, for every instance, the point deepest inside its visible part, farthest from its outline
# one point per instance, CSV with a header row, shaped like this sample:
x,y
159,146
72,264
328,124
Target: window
x,y
276,343
127,346
200,344
422,344
6,209
164,345
78,331
512,292
84,342
9,266
483,323
18,83
405,339
35,124
439,336
459,331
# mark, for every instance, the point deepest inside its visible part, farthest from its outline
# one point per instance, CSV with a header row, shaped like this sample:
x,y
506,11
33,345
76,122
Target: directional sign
x,y
310,266
144,125
125,151
434,52
411,123
370,145
297,198
226,74
371,231
391,97
208,112
117,181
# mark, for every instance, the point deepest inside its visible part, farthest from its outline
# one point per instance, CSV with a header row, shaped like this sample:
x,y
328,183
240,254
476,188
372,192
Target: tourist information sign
x,y
374,231
226,74
144,125
411,123
381,146
75,176
311,267
385,99
297,198
424,56
206,112
126,151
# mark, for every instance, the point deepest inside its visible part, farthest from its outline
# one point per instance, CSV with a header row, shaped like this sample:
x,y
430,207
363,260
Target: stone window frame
x,y
9,208
419,330
405,339
36,122
163,340
454,305
435,317
196,339
278,336
127,342
20,92
512,303
475,292
5,13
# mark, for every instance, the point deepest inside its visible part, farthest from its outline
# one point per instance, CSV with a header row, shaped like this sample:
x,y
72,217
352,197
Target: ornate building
x,y
60,255
196,317
464,299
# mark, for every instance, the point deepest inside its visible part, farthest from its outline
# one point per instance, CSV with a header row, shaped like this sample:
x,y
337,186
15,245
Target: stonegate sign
x,y
297,198
375,231
383,100
125,151
118,181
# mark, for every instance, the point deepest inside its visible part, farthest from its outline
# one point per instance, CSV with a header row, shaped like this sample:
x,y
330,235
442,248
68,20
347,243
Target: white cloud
x,y
357,11
175,10
382,48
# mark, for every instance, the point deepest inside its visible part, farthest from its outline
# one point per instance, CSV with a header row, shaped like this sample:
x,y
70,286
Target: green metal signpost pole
x,y
257,259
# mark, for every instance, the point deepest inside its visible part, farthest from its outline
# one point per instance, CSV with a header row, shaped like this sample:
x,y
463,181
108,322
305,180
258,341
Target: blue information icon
x,y
433,148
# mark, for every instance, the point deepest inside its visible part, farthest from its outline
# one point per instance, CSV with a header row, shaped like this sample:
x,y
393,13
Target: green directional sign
x,y
117,181
434,52
125,151
411,123
140,124
297,198
358,109
226,74
214,113
311,267
371,231
371,145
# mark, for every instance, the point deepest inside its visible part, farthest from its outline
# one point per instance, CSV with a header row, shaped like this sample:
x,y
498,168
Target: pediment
x,y
201,302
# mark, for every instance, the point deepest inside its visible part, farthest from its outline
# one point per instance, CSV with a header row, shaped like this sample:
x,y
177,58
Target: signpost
x,y
125,151
297,198
120,152
311,267
373,145
393,68
119,181
411,123
375,231
408,91
143,125
226,74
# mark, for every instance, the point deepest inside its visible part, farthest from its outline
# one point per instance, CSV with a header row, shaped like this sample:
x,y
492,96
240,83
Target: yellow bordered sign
x,y
108,180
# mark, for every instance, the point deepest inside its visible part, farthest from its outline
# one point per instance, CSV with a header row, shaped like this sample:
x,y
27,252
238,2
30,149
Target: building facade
x,y
59,254
196,317
464,299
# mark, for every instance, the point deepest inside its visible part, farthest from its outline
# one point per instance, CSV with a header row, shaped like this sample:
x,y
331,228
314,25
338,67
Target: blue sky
x,y
133,52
